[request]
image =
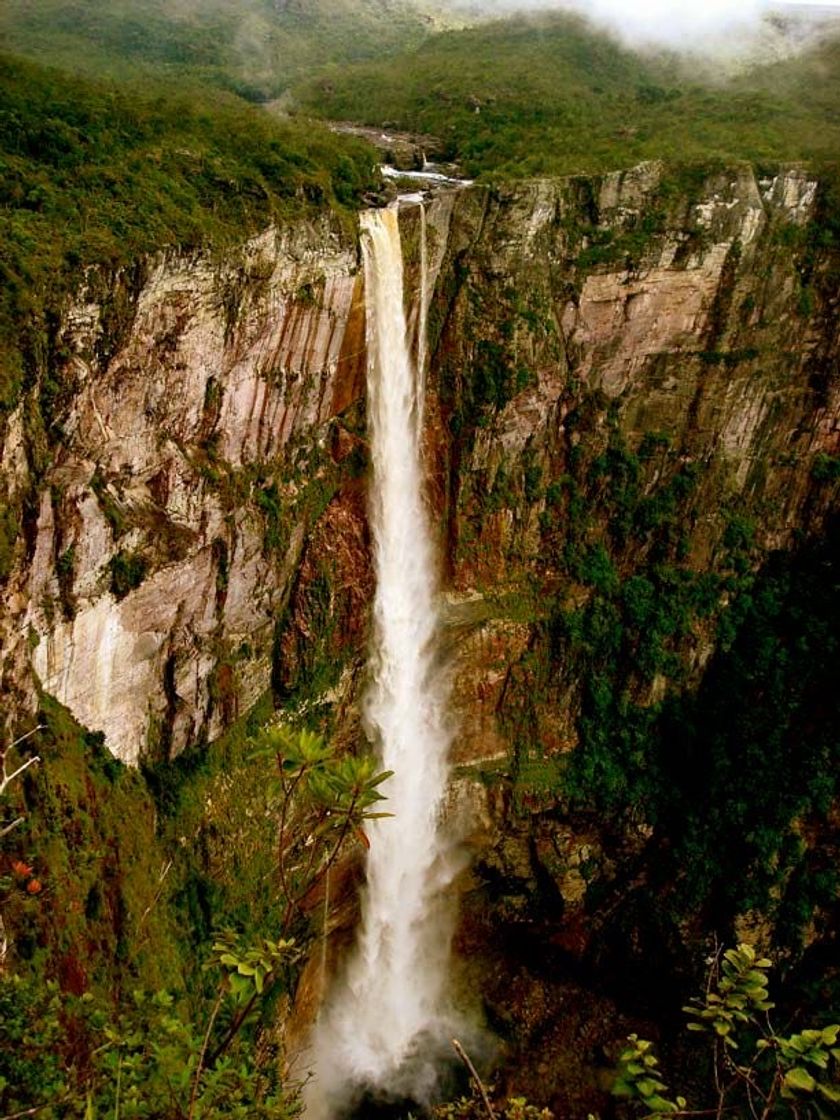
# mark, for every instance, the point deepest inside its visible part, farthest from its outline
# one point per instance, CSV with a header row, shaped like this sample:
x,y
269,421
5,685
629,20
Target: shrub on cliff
x,y
756,1071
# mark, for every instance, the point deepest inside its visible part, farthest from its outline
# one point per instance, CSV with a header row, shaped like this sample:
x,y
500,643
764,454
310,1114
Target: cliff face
x,y
637,407
194,444
200,416
628,371
632,413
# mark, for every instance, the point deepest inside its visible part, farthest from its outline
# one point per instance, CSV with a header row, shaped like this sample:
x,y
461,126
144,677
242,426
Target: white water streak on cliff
x,y
385,1026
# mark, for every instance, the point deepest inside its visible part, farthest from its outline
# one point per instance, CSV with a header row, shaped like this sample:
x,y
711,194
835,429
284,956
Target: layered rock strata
x,y
199,443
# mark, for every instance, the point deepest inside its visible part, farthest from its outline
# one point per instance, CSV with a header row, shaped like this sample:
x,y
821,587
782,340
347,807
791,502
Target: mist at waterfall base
x,y
385,1028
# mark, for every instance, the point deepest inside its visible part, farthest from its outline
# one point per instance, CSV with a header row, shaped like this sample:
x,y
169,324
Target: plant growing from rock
x,y
473,1108
325,802
479,1106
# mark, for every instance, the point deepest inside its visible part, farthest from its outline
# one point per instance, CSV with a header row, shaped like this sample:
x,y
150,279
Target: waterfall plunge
x,y
385,1026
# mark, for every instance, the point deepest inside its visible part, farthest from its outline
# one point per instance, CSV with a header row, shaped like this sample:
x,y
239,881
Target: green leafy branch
x,y
740,994
639,1079
770,1074
324,802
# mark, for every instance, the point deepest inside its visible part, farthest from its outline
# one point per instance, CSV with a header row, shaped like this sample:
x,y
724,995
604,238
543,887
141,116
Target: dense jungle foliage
x,y
552,96
731,776
148,972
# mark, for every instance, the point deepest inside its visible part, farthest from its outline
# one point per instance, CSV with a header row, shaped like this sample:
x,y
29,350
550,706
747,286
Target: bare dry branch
x,y
6,779
479,1084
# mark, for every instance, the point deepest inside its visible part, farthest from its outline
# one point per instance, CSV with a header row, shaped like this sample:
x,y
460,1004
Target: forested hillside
x,y
91,173
553,96
255,47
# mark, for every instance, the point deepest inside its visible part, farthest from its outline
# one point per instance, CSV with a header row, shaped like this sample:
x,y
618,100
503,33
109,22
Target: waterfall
x,y
384,1027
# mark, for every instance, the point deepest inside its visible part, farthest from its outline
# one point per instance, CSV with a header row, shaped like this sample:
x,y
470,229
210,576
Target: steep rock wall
x,y
632,410
632,414
191,437
592,330
187,465
635,391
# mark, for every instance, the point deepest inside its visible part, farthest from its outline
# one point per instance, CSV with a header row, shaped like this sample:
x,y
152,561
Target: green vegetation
x,y
72,1056
551,96
826,468
140,977
474,1107
758,751
253,47
87,838
727,774
128,570
755,1070
9,530
734,765
123,886
91,174
64,569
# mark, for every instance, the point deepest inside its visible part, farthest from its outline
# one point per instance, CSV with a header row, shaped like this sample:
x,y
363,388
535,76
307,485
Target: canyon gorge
x,y
630,444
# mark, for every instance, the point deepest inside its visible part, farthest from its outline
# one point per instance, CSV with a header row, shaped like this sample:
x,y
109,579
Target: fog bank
x,y
662,21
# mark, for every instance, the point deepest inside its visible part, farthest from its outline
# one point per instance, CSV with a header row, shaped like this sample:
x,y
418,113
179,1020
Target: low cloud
x,y
678,24
682,25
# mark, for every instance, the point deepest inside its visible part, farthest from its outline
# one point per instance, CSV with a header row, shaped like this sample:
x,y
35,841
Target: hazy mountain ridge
x,y
255,46
552,95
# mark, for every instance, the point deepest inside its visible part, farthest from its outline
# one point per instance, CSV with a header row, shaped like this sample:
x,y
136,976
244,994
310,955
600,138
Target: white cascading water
x,y
385,1025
